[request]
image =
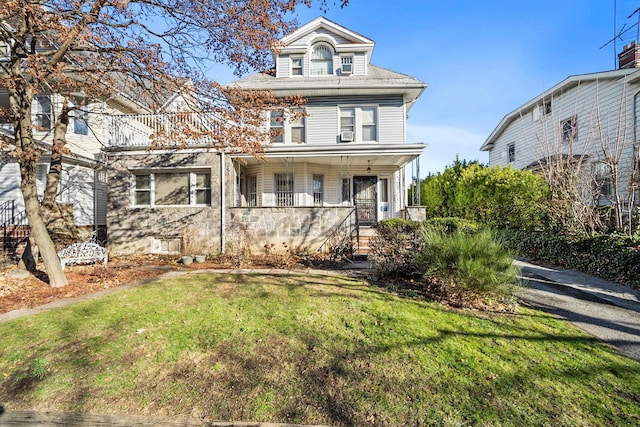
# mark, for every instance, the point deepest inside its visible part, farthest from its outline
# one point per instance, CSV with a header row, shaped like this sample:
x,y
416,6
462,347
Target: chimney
x,y
630,56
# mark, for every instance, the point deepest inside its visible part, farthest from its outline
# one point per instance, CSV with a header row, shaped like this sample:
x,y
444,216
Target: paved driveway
x,y
606,310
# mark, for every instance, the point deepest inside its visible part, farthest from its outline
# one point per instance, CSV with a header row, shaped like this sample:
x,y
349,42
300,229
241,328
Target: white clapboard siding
x,y
322,123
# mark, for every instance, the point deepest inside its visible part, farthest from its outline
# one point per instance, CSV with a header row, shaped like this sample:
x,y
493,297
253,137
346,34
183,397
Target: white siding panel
x,y
359,64
76,188
391,123
322,124
10,185
283,66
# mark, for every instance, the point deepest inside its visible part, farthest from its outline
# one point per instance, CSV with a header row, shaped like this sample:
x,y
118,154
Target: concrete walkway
x,y
604,309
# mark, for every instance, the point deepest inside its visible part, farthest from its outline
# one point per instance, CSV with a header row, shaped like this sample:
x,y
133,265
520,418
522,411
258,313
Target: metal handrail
x,y
341,226
13,230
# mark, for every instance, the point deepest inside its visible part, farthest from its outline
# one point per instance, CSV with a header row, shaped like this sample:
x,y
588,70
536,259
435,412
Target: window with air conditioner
x,y
346,65
359,124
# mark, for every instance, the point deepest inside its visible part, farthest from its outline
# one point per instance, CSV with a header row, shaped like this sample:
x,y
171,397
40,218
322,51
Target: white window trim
x,y
291,67
152,181
358,121
287,129
342,64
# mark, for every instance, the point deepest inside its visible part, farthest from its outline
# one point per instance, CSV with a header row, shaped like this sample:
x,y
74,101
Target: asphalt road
x,y
605,319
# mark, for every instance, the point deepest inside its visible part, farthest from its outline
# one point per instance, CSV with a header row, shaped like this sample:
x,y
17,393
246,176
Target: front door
x,y
365,199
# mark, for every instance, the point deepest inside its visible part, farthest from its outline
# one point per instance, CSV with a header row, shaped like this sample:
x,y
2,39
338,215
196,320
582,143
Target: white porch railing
x,y
141,130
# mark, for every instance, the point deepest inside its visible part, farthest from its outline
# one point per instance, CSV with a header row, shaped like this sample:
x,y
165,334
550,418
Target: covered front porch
x,y
301,197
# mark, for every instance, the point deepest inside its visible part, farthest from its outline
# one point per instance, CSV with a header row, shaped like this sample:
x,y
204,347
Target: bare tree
x,y
97,49
612,181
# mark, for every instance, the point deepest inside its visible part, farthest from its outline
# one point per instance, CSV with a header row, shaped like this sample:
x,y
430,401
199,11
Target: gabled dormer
x,y
322,48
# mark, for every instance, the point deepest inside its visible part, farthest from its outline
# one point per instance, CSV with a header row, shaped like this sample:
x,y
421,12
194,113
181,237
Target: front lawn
x,y
313,350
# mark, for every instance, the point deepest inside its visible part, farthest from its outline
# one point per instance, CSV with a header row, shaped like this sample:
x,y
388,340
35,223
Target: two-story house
x,y
584,121
82,182
341,162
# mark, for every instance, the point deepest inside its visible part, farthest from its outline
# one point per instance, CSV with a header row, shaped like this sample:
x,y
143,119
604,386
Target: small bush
x,y
475,262
393,249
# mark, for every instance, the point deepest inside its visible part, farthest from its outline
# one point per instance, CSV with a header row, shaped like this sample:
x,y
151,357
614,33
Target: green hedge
x,y
614,258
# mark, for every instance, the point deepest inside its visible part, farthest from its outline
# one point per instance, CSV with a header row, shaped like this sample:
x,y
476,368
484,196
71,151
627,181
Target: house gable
x,y
322,48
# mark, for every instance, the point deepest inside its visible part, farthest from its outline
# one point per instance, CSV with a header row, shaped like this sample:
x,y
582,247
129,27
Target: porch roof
x,y
335,155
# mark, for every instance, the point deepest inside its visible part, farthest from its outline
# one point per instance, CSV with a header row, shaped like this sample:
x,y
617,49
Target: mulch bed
x,y
33,291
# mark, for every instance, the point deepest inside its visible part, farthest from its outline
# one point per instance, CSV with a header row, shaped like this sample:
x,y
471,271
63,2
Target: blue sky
x,y
481,58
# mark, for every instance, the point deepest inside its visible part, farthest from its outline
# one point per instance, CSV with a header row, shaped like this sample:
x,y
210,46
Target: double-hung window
x,y
284,189
359,124
287,127
252,190
5,51
346,65
318,189
42,112
296,66
297,128
569,129
603,182
276,126
511,152
81,121
369,127
347,120
172,189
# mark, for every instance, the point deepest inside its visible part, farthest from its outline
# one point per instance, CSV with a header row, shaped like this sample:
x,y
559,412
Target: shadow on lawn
x,y
354,375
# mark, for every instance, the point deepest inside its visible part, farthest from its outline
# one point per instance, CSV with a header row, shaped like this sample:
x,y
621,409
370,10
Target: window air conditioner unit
x,y
346,69
346,136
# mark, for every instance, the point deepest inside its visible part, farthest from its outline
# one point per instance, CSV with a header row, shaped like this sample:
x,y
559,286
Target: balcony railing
x,y
143,130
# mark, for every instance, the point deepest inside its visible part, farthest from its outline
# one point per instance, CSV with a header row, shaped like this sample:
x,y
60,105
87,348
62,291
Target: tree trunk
x,y
55,168
27,157
38,228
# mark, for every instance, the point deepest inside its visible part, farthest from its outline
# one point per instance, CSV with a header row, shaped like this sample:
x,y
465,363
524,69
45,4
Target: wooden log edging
x,y
33,418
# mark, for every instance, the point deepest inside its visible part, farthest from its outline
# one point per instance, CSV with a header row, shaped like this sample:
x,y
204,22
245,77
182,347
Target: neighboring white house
x,y
344,161
587,117
83,179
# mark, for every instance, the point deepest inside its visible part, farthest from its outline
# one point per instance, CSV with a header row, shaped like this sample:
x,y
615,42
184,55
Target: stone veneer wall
x,y
294,228
415,213
141,230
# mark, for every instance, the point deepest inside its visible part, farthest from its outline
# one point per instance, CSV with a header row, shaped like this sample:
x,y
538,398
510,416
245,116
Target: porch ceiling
x,y
336,155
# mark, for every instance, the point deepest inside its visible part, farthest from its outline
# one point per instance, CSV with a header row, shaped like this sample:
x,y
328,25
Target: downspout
x,y
222,203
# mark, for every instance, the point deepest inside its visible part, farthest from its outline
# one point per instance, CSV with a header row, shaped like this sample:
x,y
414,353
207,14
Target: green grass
x,y
314,350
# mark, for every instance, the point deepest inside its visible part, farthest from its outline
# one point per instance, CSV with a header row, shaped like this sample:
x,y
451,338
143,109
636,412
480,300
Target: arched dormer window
x,y
321,59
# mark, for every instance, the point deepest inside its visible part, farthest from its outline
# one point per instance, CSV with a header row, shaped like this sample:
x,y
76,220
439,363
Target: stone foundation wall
x,y
257,230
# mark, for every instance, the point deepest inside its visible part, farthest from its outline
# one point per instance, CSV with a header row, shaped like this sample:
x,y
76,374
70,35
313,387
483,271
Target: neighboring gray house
x,y
586,118
344,163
